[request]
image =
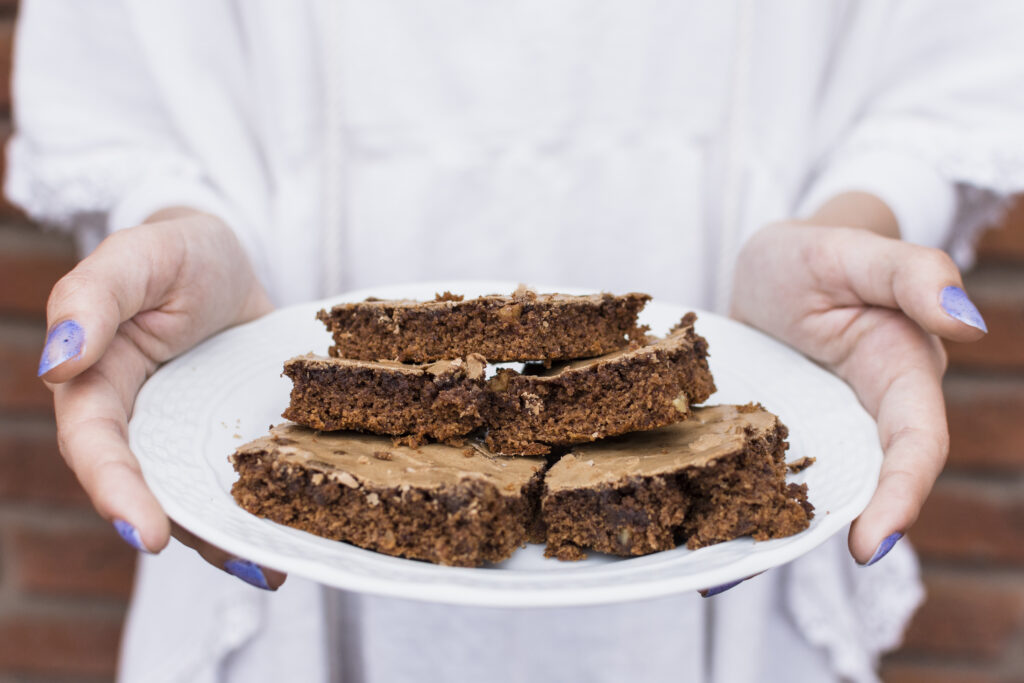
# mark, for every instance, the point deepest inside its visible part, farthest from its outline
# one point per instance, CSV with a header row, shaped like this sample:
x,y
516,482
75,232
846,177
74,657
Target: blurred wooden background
x,y
65,576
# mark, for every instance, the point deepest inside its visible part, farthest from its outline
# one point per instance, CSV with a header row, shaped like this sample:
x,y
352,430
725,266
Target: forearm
x,y
857,210
172,213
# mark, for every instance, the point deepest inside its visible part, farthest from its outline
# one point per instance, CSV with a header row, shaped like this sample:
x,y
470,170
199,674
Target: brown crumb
x,y
800,464
468,452
523,291
567,552
448,296
410,440
639,336
382,455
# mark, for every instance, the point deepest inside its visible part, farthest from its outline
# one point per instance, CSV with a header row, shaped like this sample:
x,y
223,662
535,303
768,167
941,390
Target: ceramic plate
x,y
197,409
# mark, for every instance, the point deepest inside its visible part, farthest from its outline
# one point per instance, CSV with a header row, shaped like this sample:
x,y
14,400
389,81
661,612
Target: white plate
x,y
196,410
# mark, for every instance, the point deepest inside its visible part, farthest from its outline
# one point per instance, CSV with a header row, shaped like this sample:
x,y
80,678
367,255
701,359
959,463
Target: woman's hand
x,y
144,296
871,309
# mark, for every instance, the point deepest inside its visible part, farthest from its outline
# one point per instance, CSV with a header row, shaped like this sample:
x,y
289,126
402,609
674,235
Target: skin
x,y
143,297
840,288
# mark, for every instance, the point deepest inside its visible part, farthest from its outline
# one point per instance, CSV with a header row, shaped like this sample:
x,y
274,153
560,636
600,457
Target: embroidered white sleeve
x,y
118,187
936,131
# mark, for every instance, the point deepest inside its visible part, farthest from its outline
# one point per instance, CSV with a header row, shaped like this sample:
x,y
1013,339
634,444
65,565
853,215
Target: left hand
x,y
871,309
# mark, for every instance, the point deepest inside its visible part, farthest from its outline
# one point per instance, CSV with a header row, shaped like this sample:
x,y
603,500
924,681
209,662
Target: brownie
x,y
442,400
447,505
521,327
641,388
717,476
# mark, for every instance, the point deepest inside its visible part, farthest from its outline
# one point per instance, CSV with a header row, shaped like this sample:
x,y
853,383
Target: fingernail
x,y
884,547
64,342
130,535
955,302
709,592
248,572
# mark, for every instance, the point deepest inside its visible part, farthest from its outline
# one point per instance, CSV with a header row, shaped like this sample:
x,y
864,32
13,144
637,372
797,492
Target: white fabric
x,y
623,146
190,623
922,202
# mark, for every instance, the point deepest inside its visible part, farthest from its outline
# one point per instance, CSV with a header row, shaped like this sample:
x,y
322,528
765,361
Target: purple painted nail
x,y
884,547
130,535
248,572
955,302
709,592
64,342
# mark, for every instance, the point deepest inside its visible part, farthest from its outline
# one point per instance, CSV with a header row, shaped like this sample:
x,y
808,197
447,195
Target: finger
x,y
896,370
914,456
250,572
922,282
92,431
126,274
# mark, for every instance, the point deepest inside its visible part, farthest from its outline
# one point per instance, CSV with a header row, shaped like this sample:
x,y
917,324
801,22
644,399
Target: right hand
x,y
146,295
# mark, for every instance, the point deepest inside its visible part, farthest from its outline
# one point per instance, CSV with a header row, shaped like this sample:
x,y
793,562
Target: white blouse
x,y
619,146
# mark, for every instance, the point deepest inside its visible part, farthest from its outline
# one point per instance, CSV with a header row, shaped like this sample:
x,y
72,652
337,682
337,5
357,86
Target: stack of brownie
x,y
405,444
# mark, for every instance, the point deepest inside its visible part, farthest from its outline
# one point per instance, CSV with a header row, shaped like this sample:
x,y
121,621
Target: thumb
x,y
923,283
124,276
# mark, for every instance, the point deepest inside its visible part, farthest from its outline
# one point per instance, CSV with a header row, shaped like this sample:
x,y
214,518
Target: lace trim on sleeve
x,y
66,193
854,613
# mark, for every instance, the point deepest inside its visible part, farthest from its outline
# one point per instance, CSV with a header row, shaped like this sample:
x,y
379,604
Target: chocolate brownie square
x,y
717,476
441,400
641,388
521,327
438,503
